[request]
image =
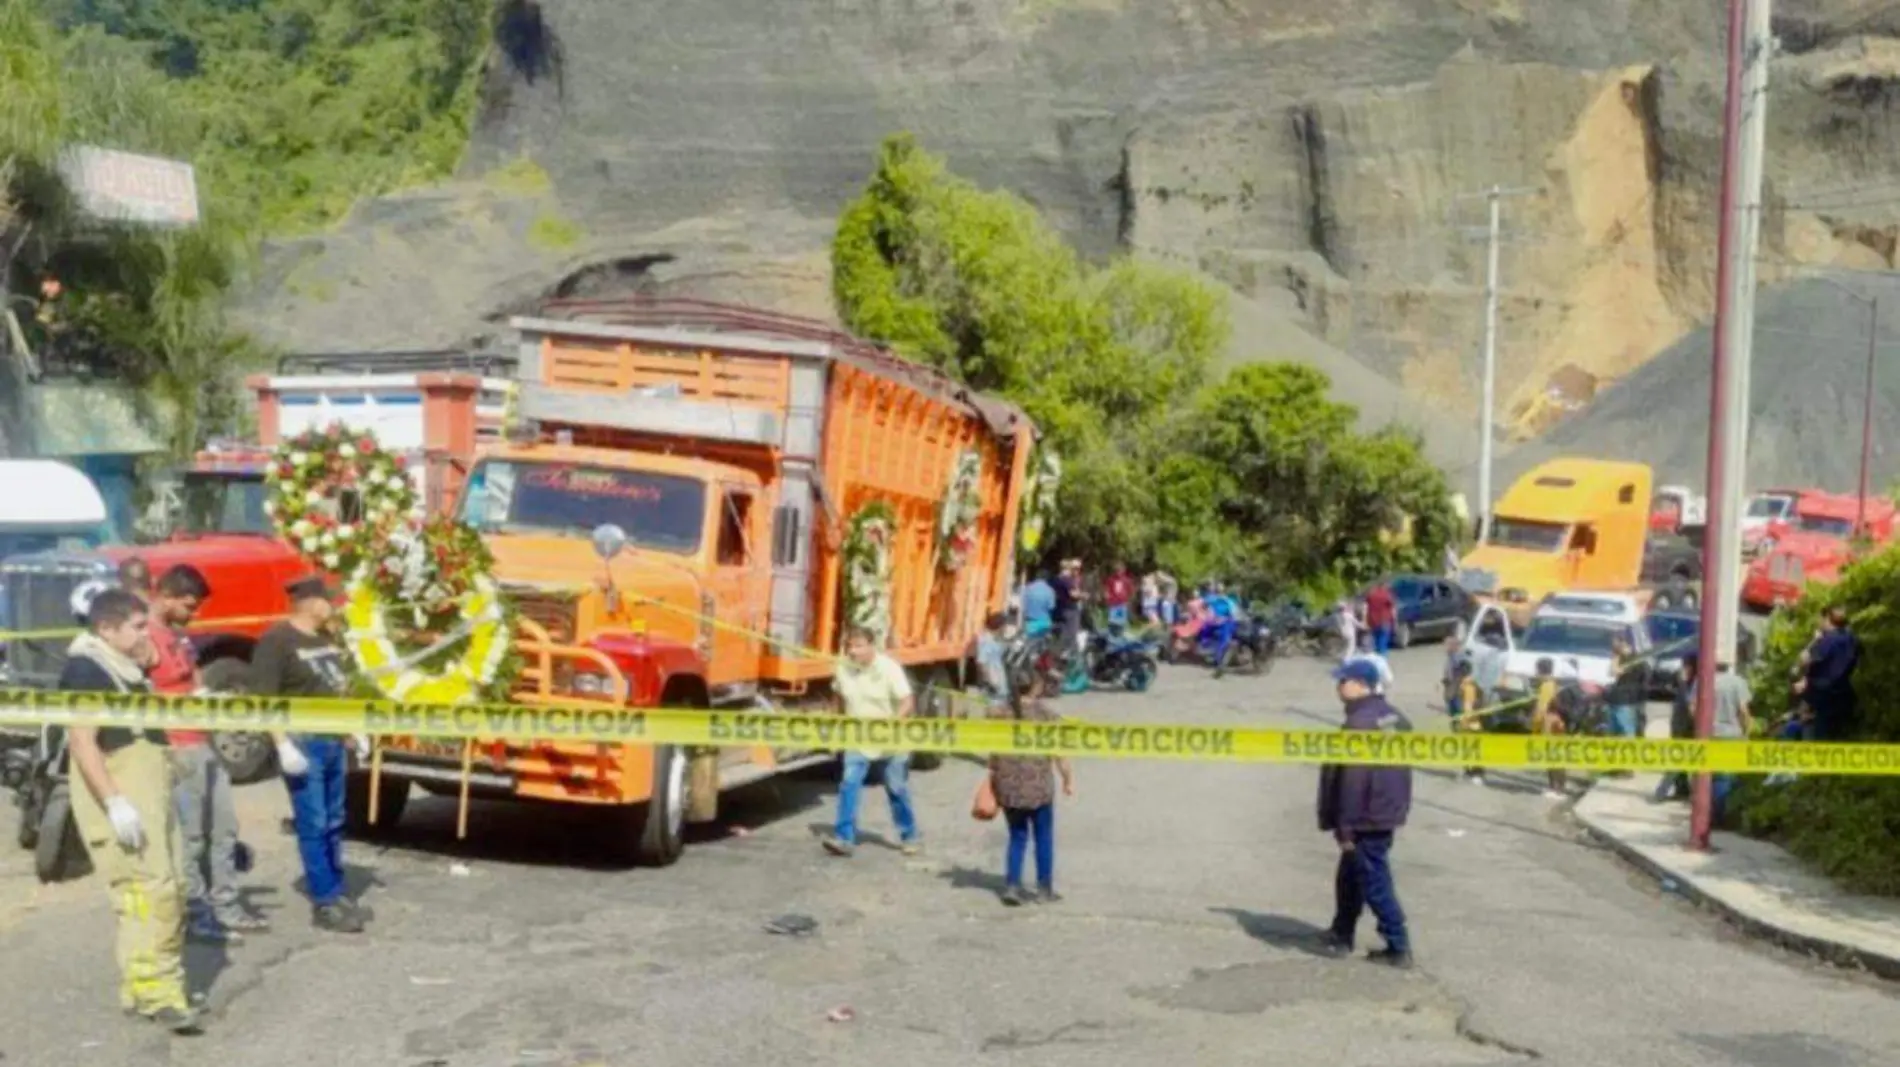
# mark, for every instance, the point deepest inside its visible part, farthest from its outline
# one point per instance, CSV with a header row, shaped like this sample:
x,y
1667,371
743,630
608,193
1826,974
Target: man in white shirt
x,y
872,685
1366,654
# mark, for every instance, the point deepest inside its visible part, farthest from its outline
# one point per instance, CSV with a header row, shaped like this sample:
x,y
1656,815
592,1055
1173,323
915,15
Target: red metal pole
x,y
1867,416
1701,814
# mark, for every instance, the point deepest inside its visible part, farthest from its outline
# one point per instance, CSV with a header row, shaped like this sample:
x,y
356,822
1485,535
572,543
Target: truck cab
x,y
1813,544
1567,524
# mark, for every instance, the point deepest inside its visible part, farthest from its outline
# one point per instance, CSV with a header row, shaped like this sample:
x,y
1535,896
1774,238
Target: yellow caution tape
x,y
605,724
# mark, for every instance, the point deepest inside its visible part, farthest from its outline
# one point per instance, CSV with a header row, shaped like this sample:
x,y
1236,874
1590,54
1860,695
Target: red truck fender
x,y
655,667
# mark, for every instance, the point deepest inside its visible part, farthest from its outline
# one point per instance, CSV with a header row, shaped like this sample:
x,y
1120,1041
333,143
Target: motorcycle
x,y
1239,643
1062,665
1321,635
1120,659
39,776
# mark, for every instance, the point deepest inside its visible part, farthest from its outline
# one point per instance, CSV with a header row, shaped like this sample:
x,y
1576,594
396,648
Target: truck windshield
x,y
19,542
223,503
1768,507
1529,534
1822,524
1569,637
663,512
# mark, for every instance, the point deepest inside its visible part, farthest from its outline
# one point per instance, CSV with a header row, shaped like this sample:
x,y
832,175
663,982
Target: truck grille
x,y
39,597
555,612
1784,567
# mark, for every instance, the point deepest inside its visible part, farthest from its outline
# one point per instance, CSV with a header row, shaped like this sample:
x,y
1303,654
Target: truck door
x,y
739,588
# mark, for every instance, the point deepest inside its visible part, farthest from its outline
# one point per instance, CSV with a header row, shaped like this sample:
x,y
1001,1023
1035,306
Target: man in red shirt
x,y
1381,615
207,818
1116,593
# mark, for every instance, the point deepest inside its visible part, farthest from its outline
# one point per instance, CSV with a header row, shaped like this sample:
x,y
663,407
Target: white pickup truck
x,y
1574,630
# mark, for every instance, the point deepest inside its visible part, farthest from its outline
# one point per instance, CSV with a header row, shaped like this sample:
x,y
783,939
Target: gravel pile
x,y
1810,371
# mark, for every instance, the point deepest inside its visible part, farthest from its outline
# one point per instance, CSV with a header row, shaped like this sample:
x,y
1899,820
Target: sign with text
x,y
119,186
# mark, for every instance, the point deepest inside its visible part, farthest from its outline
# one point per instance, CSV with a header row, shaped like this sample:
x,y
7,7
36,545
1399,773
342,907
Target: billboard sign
x,y
116,186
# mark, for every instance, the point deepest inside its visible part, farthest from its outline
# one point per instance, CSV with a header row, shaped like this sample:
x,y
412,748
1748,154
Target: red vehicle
x,y
1812,545
219,525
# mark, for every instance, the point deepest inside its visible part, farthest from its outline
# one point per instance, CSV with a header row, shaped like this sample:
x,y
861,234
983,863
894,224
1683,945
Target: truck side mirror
x,y
609,541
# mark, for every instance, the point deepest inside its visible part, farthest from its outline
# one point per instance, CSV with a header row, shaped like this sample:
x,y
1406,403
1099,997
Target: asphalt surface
x,y
1193,892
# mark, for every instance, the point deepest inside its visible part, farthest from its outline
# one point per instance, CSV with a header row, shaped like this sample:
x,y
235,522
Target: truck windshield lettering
x,y
658,511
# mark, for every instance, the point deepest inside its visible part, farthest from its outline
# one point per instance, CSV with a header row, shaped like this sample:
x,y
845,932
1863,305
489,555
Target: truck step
x,y
746,774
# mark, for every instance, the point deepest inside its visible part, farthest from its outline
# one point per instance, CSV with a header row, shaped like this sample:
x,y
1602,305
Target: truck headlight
x,y
589,684
1516,596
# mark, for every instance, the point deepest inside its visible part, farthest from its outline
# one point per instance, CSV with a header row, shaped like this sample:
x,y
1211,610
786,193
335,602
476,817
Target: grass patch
x,y
553,233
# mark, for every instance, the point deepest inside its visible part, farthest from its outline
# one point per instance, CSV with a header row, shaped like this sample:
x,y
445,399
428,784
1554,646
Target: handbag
x,y
983,806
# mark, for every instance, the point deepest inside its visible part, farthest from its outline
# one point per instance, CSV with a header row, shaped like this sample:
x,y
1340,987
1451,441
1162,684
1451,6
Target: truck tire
x,y
935,698
392,800
247,757
1402,635
661,822
59,855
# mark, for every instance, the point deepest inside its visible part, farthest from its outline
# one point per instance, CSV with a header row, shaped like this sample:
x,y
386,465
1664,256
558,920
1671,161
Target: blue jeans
x,y
1382,639
857,767
1720,786
316,809
1023,821
1364,880
1623,720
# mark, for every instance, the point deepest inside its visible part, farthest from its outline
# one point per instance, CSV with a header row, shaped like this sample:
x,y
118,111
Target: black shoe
x,y
1400,960
1048,895
179,1021
1334,946
1014,897
338,918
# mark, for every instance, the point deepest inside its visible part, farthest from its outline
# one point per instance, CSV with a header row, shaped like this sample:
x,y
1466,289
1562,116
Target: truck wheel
x,y
662,819
935,698
1402,635
392,800
59,854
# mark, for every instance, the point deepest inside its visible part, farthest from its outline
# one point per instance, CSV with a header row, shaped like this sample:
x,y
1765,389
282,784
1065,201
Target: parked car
x,y
1429,607
1575,631
1674,634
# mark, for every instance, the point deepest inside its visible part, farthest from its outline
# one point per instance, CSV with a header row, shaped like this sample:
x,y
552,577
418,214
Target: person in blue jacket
x,y
1363,808
1828,686
1039,606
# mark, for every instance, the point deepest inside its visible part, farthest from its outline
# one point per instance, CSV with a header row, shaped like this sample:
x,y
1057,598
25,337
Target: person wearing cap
x,y
297,658
122,806
1363,807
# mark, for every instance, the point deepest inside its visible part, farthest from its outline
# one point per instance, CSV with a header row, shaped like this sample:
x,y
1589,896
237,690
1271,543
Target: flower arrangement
x,y
957,514
336,495
1039,498
423,616
867,560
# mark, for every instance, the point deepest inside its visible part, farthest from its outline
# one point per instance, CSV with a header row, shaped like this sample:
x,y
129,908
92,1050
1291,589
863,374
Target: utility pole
x,y
1487,429
1758,50
1719,572
1867,415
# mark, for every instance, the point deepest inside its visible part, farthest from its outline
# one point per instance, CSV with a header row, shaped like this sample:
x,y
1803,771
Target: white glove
x,y
360,742
291,760
125,823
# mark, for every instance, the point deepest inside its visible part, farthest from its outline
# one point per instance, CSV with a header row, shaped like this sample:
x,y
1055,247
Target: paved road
x,y
1192,892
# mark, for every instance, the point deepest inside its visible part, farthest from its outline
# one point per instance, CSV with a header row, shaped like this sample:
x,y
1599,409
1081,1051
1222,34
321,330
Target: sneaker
x,y
1556,794
245,922
180,1021
1048,895
1474,779
838,846
209,931
338,918
1015,897
1400,960
1334,946
913,847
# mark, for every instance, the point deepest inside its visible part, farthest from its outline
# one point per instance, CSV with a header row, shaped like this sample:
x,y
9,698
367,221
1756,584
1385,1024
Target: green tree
x,y
975,283
1281,461
139,303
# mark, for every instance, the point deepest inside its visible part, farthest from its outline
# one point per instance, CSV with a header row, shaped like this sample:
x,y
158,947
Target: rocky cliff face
x,y
1323,158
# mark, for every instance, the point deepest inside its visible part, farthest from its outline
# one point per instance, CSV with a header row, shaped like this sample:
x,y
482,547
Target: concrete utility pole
x,y
1758,51
1867,415
1487,429
1719,572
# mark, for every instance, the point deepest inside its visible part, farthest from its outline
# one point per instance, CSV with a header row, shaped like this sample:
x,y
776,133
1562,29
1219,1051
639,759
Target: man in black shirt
x,y
297,658
123,808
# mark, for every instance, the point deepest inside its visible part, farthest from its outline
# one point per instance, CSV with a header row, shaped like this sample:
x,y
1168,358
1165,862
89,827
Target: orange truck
x,y
668,513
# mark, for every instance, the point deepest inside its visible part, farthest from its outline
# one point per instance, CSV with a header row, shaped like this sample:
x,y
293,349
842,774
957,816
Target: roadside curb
x,y
1750,922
